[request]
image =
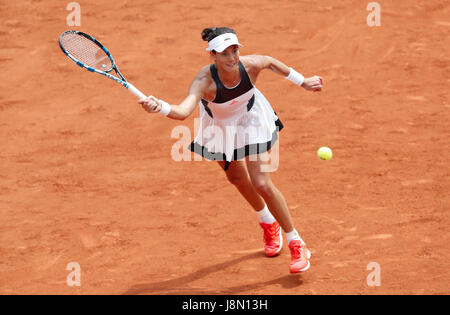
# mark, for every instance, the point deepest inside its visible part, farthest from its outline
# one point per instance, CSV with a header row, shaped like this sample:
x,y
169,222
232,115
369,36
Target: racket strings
x,y
86,51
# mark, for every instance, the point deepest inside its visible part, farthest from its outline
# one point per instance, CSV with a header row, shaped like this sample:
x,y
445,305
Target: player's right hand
x,y
150,104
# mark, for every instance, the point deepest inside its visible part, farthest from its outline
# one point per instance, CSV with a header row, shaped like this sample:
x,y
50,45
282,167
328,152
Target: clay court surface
x,y
86,175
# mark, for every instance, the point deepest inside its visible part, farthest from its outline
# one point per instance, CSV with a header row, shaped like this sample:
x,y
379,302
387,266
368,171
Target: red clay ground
x,y
86,175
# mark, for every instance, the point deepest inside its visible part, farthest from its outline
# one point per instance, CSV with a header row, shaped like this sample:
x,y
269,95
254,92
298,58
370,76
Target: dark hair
x,y
212,32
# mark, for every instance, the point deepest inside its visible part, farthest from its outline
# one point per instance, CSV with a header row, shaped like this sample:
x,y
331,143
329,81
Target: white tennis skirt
x,y
245,133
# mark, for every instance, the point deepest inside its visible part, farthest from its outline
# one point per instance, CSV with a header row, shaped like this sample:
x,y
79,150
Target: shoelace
x,y
270,234
297,252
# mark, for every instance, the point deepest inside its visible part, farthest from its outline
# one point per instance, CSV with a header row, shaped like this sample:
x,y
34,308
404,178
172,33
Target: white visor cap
x,y
222,42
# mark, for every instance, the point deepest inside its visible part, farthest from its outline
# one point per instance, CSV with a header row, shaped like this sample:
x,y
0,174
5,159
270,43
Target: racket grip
x,y
135,91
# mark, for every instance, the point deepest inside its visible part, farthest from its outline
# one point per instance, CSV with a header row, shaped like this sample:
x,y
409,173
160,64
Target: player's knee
x,y
237,180
263,187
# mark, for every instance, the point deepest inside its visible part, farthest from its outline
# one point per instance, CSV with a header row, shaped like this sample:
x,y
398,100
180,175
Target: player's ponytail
x,y
212,32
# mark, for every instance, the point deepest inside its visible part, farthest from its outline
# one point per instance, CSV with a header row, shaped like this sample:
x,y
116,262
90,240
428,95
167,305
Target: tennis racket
x,y
89,53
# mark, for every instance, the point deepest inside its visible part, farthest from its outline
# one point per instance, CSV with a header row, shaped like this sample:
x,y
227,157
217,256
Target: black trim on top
x,y
224,94
250,103
207,109
240,153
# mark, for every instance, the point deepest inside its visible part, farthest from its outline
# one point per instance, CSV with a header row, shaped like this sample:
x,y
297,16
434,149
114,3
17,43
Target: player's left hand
x,y
314,83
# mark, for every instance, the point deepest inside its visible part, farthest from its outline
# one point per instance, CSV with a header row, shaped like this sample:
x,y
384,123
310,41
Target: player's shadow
x,y
180,286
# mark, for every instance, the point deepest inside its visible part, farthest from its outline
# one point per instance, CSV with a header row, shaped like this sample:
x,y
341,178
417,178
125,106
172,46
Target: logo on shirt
x,y
233,102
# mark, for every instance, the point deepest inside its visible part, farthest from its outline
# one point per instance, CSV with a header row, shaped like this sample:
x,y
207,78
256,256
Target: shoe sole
x,y
308,253
281,245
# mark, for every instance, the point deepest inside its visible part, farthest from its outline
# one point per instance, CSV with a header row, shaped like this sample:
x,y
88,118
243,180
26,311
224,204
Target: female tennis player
x,y
237,125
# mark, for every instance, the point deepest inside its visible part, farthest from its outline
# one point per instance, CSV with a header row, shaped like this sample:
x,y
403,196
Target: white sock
x,y
294,236
265,216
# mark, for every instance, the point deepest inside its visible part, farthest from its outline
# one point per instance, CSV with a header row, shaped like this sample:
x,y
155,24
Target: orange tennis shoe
x,y
273,238
300,256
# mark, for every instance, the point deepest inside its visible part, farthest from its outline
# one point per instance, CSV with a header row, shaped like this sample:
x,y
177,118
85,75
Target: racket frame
x,y
121,79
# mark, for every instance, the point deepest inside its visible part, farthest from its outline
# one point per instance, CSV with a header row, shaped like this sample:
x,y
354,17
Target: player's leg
x,y
278,207
237,175
274,199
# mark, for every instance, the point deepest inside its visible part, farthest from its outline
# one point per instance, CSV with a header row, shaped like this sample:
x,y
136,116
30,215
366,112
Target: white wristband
x,y
165,108
295,77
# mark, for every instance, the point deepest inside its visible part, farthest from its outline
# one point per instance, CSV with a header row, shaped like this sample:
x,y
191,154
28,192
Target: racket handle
x,y
135,91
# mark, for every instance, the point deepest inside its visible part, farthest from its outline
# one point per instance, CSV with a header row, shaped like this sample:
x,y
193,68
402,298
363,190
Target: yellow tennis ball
x,y
325,153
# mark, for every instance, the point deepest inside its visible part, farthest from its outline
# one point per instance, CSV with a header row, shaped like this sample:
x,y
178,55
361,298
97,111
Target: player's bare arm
x,y
257,63
197,89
